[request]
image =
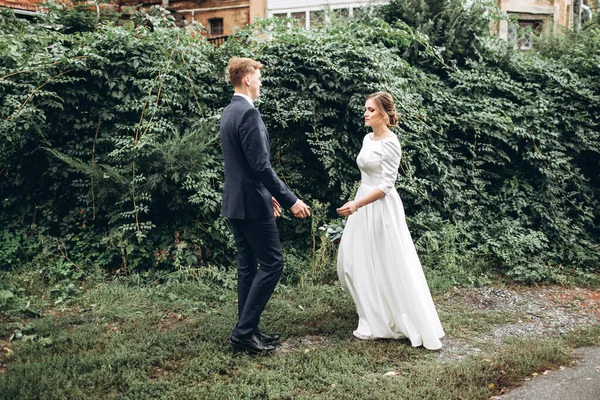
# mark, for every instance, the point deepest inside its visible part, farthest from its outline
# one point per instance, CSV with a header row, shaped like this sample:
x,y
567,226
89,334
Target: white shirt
x,y
248,99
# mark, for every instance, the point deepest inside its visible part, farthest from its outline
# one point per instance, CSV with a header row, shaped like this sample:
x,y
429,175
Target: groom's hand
x,y
276,208
300,209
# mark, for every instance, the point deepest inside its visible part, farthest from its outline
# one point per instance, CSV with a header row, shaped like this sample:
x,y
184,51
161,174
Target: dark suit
x,y
249,184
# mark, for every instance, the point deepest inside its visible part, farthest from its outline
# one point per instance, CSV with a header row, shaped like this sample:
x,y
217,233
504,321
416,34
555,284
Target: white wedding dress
x,y
377,261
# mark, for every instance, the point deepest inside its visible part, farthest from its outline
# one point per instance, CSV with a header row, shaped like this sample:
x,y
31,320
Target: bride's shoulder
x,y
392,138
390,135
392,144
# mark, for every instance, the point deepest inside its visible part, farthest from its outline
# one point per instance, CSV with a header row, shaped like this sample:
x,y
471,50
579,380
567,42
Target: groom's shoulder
x,y
238,105
235,107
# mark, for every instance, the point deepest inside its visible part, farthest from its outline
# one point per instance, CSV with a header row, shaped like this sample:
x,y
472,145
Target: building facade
x,y
533,16
220,17
21,7
313,12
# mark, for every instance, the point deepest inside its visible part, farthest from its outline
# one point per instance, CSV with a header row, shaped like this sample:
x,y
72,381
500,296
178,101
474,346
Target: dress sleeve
x,y
390,161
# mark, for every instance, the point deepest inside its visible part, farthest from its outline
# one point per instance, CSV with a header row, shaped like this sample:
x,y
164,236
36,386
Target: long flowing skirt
x,y
378,265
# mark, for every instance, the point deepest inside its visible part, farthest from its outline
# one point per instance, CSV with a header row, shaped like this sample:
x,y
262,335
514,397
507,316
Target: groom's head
x,y
244,74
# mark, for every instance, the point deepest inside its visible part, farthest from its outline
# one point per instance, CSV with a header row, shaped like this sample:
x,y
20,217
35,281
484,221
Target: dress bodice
x,y
378,162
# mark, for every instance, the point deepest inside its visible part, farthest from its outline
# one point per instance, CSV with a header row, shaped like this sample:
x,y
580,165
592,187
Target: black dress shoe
x,y
269,338
253,344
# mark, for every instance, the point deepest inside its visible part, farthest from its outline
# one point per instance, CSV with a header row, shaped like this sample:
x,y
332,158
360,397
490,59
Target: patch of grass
x,y
462,322
589,336
27,290
442,280
170,342
480,376
311,310
582,278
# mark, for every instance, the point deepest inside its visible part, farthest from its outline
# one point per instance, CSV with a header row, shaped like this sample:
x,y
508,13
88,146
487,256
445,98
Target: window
x,y
300,17
280,15
216,26
522,33
365,13
317,18
342,13
360,13
513,34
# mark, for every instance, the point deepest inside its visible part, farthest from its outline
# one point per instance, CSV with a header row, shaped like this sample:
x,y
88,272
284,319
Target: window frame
x,y
211,27
522,38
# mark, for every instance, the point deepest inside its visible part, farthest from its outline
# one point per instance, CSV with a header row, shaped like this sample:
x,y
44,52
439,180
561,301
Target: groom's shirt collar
x,y
248,99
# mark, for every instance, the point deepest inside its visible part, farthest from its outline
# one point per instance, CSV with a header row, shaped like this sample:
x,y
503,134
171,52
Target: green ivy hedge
x,y
109,141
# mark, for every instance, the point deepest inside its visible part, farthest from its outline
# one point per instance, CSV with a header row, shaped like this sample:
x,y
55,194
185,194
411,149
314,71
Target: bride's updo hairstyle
x,y
384,103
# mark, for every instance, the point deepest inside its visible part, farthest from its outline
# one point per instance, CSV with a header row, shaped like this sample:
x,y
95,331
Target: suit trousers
x,y
257,242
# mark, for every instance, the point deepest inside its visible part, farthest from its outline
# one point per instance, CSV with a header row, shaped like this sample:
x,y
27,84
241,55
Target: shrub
x,y
109,141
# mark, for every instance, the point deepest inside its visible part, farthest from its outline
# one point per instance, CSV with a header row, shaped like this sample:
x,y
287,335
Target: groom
x,y
252,197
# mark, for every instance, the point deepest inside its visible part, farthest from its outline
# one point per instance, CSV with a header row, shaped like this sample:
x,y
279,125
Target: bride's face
x,y
372,116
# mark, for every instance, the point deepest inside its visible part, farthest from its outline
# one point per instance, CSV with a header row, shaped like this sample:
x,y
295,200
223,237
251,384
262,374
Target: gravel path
x,y
544,311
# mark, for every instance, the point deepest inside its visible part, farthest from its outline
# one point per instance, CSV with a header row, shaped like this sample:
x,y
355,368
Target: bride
x,y
377,261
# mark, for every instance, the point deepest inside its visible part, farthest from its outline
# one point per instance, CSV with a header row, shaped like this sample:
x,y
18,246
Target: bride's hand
x,y
348,209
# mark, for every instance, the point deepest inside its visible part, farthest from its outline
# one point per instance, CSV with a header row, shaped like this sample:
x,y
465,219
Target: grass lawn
x,y
170,342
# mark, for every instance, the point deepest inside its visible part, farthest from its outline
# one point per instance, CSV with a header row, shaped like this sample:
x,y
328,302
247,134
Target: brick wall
x,y
29,5
234,13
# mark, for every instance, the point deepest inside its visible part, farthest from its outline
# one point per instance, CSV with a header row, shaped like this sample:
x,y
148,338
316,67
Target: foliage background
x,y
110,159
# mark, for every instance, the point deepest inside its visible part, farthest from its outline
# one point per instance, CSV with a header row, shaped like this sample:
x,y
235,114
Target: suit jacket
x,y
249,178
